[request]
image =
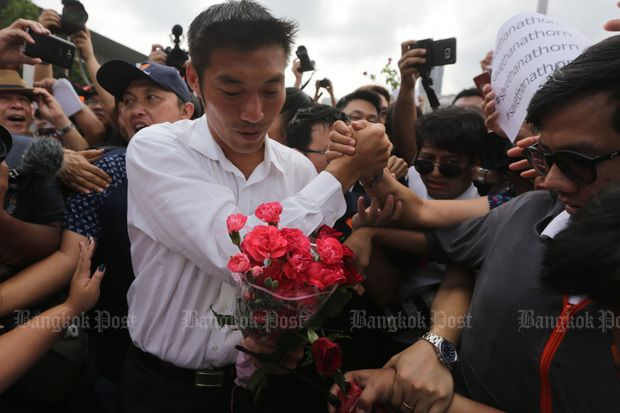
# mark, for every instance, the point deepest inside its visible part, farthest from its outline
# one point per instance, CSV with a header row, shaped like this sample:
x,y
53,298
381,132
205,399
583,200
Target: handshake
x,y
358,152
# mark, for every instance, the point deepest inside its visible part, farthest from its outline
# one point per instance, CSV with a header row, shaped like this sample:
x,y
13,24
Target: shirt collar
x,y
202,141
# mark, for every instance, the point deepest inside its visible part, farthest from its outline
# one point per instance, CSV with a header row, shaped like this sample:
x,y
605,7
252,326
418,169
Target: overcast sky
x,y
349,37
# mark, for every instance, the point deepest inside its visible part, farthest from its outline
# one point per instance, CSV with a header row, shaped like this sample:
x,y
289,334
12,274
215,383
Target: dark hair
x,y
453,129
298,132
367,95
242,25
584,259
378,89
596,70
465,93
295,99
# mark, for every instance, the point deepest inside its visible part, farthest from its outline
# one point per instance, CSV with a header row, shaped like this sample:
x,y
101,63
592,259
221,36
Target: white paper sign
x,y
529,47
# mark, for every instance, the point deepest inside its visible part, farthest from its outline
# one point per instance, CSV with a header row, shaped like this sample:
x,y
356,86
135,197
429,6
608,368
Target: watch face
x,y
448,352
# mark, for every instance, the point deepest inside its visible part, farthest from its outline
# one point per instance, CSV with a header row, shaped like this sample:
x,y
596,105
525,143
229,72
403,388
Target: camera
x,y
324,82
306,65
73,17
6,143
176,56
438,53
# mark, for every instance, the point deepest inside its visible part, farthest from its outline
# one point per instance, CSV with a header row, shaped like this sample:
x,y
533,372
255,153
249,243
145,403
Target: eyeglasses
x,y
449,170
315,151
579,168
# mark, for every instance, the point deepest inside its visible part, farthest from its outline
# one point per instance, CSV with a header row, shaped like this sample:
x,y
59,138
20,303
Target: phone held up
x,y
438,52
51,49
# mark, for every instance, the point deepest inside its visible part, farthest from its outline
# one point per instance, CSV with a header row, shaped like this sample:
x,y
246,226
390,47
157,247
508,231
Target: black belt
x,y
207,378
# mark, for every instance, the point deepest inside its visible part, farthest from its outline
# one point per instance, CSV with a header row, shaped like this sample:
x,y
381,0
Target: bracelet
x,y
372,183
65,130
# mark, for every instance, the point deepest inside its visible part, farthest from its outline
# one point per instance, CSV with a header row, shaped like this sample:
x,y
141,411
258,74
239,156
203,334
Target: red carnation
x,y
264,242
235,222
239,263
330,250
269,212
296,239
327,356
328,232
323,276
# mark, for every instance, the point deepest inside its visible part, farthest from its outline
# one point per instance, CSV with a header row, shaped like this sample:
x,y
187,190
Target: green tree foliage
x,y
12,10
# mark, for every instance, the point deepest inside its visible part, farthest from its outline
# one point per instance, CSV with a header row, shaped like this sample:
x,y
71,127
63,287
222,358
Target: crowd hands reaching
x,y
404,170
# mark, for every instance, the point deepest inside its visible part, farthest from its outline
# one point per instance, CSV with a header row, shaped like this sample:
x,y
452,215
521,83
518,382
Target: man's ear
x,y
188,110
192,78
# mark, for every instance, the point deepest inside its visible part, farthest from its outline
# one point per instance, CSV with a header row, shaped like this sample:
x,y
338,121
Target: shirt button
x,y
215,348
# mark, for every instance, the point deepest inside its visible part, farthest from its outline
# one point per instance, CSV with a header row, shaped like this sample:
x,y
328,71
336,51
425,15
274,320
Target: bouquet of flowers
x,y
289,283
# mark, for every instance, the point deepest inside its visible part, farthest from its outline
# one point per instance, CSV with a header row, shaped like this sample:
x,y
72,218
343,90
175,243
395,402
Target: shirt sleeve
x,y
185,210
82,214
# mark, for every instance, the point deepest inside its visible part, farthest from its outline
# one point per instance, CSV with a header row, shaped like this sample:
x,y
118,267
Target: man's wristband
x,y
65,130
373,182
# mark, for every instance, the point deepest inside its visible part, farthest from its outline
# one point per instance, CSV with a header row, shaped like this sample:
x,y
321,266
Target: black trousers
x,y
153,386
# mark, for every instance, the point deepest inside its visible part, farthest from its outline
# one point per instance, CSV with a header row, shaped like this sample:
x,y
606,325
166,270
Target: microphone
x,y
42,160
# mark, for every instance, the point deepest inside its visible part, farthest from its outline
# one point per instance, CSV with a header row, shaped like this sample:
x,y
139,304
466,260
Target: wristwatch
x,y
446,351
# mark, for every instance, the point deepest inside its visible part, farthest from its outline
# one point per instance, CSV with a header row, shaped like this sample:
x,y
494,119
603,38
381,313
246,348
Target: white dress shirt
x,y
181,190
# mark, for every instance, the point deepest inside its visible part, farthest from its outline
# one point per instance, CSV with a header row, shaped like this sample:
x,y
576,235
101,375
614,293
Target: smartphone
x,y
481,80
438,52
51,49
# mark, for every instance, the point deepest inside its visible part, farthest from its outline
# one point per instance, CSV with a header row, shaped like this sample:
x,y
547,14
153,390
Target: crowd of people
x,y
113,228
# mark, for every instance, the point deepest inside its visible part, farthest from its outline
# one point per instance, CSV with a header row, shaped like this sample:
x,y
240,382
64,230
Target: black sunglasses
x,y
449,170
579,168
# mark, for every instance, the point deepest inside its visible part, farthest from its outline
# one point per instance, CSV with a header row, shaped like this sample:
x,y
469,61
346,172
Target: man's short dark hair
x,y
466,93
453,129
295,99
298,132
368,95
241,25
595,71
584,259
378,89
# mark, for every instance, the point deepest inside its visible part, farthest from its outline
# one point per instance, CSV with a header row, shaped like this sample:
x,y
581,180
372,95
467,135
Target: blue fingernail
x,y
101,268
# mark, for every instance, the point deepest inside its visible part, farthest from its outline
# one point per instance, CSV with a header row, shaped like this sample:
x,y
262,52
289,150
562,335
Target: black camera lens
x,y
74,17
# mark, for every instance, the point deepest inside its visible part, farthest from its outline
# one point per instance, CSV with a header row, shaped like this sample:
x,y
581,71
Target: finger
x,y
342,128
398,210
391,161
529,141
397,394
95,280
388,206
529,174
515,152
331,155
98,173
340,148
358,289
91,153
92,181
87,184
520,165
357,125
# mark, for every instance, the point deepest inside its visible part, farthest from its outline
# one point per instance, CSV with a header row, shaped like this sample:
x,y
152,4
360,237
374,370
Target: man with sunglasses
x,y
449,141
527,348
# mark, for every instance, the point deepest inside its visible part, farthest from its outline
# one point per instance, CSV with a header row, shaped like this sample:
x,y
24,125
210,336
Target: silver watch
x,y
446,351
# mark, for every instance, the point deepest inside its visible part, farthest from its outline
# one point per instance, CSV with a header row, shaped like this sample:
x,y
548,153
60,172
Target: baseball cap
x,y
115,75
11,82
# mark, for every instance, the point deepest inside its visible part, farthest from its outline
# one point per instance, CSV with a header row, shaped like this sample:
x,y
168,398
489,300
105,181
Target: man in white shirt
x,y
186,178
